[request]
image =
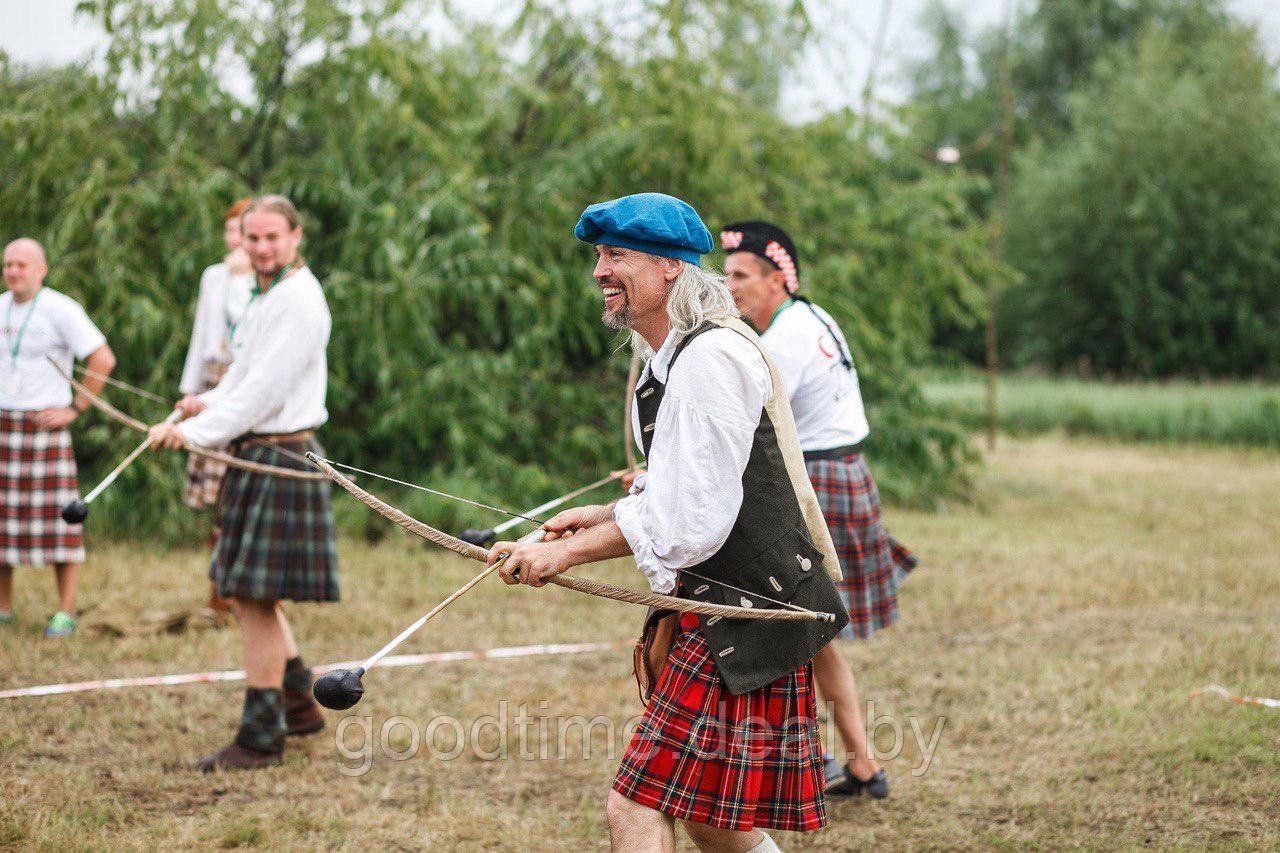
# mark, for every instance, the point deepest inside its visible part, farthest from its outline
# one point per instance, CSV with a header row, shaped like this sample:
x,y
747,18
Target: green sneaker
x,y
61,625
7,619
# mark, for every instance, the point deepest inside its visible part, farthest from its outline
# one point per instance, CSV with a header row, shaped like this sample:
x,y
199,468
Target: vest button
x,y
805,563
746,602
645,393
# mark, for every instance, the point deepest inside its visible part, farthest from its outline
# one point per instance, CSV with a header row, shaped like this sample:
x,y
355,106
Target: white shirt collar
x,y
661,361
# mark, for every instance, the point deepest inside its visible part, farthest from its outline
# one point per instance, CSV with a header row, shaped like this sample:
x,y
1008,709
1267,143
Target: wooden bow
x,y
232,461
590,587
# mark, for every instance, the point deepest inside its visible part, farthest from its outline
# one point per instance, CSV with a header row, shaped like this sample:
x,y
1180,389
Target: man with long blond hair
x,y
276,539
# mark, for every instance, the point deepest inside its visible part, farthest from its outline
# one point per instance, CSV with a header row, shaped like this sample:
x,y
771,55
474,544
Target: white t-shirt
x,y
825,397
220,306
278,374
680,512
56,326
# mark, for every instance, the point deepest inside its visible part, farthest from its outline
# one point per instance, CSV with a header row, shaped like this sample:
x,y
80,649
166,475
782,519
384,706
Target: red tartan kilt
x,y
734,762
872,562
37,479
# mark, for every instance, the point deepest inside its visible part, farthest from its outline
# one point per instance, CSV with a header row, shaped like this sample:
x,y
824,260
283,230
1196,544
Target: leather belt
x,y
254,439
833,453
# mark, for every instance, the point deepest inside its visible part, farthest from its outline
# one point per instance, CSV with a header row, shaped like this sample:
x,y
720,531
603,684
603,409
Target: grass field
x,y
1242,413
1057,626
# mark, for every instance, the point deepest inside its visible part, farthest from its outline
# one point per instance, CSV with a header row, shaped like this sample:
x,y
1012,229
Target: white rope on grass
x,y
543,650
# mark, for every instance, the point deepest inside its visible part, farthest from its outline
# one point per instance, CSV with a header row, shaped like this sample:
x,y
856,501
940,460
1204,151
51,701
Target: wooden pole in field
x,y
998,224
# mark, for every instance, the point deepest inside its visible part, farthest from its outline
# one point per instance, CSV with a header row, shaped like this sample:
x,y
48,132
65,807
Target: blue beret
x,y
647,222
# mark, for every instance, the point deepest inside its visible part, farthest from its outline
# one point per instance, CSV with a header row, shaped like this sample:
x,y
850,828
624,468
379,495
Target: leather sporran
x,y
652,649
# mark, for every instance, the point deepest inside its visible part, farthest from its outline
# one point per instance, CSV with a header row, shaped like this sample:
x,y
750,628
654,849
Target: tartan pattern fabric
x,y
204,475
734,762
262,720
873,563
37,479
276,536
297,676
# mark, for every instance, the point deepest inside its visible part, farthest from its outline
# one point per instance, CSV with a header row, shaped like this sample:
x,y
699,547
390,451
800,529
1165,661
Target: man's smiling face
x,y
634,284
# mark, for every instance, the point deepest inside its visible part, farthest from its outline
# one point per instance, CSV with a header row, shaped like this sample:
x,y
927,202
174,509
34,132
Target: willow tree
x,y
440,174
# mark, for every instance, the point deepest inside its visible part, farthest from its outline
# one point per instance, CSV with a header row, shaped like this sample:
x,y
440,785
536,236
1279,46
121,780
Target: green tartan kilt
x,y
277,534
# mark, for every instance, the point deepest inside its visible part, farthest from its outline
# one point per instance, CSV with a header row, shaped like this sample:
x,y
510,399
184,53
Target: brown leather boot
x,y
259,742
302,716
237,757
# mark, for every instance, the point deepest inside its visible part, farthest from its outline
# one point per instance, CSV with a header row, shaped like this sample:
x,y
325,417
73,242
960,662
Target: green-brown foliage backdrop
x,y
440,170
1142,213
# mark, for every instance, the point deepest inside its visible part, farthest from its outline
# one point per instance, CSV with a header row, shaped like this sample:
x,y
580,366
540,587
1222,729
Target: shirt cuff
x,y
196,431
626,513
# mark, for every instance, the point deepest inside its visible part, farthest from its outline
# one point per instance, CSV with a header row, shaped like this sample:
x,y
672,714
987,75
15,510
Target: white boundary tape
x,y
1242,700
238,674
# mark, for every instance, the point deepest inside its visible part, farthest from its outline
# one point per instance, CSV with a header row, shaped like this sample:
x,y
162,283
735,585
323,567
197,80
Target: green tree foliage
x,y
1151,234
440,170
1054,48
1130,248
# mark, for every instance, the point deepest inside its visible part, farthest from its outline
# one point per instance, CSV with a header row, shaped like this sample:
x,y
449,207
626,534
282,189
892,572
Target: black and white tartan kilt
x,y
204,475
873,563
37,479
276,536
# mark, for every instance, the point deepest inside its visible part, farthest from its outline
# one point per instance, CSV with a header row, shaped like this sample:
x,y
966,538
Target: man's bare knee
x,y
624,813
727,840
636,827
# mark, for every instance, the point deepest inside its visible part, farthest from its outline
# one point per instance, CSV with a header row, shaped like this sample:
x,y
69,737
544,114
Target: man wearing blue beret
x,y
728,744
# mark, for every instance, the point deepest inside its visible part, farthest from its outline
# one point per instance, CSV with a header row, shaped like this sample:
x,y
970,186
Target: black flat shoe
x,y
842,783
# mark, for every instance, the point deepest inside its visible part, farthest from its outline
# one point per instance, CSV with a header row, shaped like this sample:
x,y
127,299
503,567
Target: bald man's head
x,y
24,268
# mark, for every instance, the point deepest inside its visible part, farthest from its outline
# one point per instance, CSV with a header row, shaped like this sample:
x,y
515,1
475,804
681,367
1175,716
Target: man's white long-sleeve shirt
x,y
680,512
279,373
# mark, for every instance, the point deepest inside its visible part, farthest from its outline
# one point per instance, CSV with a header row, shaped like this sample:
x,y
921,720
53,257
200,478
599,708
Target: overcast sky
x,y
39,31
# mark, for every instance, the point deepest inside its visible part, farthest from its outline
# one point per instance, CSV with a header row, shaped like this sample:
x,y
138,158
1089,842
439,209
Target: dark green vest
x,y
769,555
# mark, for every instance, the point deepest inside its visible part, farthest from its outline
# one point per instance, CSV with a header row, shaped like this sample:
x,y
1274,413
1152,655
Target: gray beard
x,y
619,320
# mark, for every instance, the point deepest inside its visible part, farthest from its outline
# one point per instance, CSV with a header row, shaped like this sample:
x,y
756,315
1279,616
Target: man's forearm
x,y
101,362
602,542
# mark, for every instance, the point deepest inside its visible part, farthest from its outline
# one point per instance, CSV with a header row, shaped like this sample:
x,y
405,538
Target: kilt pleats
x,y
873,563
37,479
204,475
734,762
276,534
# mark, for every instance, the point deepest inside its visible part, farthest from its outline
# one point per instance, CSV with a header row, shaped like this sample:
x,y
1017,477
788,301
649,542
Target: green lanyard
x,y
783,307
8,323
257,291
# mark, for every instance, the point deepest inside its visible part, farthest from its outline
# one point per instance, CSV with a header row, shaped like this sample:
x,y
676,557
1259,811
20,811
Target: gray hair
x,y
696,296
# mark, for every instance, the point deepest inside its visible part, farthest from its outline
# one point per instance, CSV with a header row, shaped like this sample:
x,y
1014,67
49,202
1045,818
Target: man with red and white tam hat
x,y
763,272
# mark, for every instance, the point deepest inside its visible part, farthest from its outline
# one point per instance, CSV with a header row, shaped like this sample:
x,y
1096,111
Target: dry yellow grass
x,y
1057,627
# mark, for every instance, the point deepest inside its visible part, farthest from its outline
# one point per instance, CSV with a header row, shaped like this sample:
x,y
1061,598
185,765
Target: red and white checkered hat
x,y
768,241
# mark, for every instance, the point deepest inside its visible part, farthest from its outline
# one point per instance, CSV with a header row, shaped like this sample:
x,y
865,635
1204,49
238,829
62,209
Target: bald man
x,y
37,461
